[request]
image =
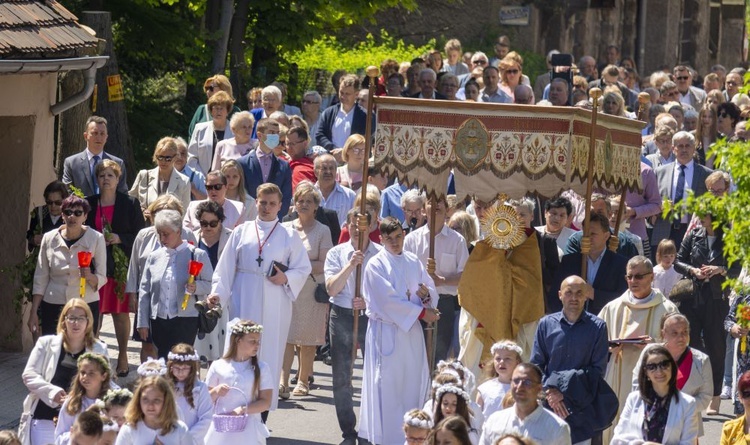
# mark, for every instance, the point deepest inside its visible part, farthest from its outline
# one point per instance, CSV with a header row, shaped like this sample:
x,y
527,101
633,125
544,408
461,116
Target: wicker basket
x,y
230,423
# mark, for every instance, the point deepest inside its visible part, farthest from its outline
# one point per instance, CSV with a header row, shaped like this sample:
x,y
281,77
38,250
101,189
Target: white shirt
x,y
336,260
689,169
451,252
541,425
342,126
340,200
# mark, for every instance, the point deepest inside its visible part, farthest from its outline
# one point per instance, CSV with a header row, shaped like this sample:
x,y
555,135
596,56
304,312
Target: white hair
x,y
413,196
270,90
168,219
683,136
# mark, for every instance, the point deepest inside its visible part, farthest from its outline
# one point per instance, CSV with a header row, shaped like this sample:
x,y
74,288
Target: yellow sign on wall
x,y
114,88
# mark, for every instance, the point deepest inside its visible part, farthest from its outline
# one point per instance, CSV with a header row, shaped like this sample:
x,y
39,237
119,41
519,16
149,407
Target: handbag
x,y
321,294
683,290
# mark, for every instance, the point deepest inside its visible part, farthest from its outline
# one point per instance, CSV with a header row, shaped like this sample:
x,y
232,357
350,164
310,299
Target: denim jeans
x,y
341,331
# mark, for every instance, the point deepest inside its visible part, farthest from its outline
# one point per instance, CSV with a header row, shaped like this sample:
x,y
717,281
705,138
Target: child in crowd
x,y
115,402
506,354
91,383
8,437
452,430
665,277
193,399
451,400
240,384
86,430
417,426
110,429
152,416
152,367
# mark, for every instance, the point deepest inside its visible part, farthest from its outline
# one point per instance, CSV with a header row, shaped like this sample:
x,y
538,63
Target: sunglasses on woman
x,y
212,224
69,212
663,366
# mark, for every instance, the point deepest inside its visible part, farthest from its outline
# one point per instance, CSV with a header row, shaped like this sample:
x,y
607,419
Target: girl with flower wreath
x,y
417,426
115,402
240,384
506,354
193,398
90,384
453,372
152,416
452,400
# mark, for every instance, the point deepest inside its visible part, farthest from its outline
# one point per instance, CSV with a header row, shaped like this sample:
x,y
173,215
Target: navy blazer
x,y
281,175
127,221
324,135
609,282
77,171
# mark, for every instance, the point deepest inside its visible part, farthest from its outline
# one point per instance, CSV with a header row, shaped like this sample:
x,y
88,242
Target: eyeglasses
x,y
718,191
637,277
69,212
54,203
208,89
731,83
213,224
511,71
479,62
682,77
528,383
308,102
76,320
357,151
215,187
165,158
181,368
662,366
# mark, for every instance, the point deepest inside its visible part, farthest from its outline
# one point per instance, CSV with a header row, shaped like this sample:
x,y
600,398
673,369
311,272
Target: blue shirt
x,y
390,202
561,346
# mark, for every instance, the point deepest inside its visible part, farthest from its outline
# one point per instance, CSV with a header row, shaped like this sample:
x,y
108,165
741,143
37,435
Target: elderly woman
x,y
350,174
49,216
162,310
118,216
448,86
466,225
311,102
242,126
150,184
211,86
57,275
705,134
146,242
212,237
208,134
694,369
271,102
308,316
52,365
658,411
254,98
197,179
701,257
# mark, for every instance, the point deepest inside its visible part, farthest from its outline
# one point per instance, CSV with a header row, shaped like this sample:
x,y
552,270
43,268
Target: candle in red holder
x,y
194,268
84,260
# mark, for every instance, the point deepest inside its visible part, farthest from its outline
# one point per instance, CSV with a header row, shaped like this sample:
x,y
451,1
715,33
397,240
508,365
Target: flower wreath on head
x,y
114,393
416,422
94,357
506,346
184,357
110,427
152,367
468,383
240,329
449,371
452,389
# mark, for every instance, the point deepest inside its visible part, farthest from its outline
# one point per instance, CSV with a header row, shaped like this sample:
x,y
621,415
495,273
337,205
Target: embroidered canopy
x,y
499,148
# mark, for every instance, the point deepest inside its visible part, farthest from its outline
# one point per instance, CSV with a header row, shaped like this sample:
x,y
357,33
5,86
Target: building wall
x,y
27,154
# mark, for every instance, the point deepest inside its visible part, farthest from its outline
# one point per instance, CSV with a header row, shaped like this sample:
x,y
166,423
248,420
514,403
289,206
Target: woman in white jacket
x,y
658,411
51,367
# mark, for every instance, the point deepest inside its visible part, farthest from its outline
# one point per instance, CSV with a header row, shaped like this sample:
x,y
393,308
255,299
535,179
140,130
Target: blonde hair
x,y
665,247
222,82
241,190
165,144
8,437
231,353
221,99
167,417
465,226
351,142
105,164
372,199
166,201
269,189
62,328
305,188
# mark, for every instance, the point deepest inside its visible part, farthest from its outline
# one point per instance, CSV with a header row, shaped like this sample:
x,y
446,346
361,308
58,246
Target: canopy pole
x,y
430,328
362,225
594,94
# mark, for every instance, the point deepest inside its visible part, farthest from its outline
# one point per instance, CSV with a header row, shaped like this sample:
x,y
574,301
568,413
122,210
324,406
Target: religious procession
x,y
512,261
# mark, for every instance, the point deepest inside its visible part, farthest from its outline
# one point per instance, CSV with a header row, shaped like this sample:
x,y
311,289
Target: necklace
x,y
261,244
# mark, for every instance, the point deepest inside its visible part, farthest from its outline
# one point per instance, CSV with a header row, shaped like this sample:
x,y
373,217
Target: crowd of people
x,y
255,226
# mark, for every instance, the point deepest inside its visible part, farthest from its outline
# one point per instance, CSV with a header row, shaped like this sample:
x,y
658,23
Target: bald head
x,y
573,294
523,94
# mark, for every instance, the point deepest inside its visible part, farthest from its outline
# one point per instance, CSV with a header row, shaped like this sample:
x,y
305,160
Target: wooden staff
x,y
595,94
614,242
430,328
362,226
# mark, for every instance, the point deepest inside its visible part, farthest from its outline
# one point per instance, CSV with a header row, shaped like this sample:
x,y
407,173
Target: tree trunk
x,y
264,66
71,123
237,65
220,44
110,103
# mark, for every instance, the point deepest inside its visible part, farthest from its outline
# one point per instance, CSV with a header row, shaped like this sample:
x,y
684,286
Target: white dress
x,y
396,377
140,434
198,417
247,293
664,280
65,420
493,392
238,375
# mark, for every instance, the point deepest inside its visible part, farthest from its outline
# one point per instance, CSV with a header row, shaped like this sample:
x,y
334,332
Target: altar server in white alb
x,y
398,293
249,280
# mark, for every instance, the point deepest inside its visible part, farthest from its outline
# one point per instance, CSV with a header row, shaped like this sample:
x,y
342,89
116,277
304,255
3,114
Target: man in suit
x,y
427,82
601,206
339,122
605,270
683,77
675,180
261,166
78,169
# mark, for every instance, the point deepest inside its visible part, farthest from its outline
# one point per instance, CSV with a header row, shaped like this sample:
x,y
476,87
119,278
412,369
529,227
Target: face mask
x,y
272,141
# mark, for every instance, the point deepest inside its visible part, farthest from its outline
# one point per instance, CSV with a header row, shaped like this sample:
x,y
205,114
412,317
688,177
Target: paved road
x,y
298,421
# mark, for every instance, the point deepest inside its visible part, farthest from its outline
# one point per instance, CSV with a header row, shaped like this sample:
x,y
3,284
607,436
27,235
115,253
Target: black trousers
x,y
50,313
168,332
341,325
448,306
707,333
